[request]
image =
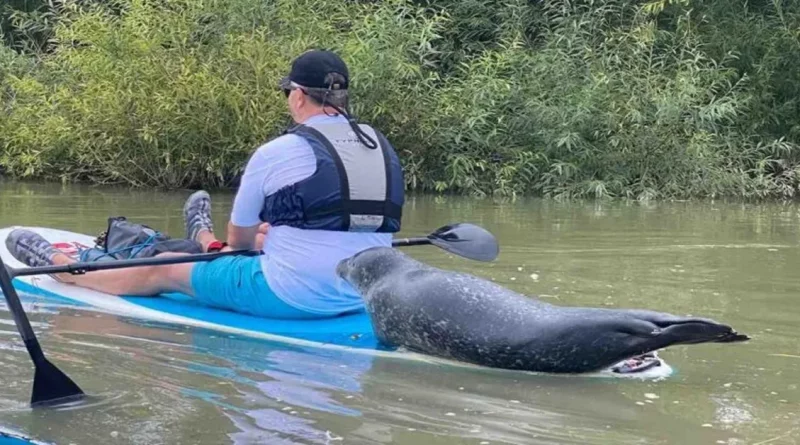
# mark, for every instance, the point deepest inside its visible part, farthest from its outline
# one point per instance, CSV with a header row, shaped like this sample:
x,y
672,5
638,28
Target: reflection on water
x,y
168,384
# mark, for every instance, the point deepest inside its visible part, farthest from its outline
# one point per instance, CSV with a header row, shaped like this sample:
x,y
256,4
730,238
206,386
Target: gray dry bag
x,y
126,240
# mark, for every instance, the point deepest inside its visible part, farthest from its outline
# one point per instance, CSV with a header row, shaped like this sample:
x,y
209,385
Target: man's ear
x,y
300,98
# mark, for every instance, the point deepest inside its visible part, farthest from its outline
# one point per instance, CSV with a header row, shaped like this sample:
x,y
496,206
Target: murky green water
x,y
736,263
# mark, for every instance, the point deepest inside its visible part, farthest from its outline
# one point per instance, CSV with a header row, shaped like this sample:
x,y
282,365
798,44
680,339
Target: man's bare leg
x,y
205,238
32,249
141,281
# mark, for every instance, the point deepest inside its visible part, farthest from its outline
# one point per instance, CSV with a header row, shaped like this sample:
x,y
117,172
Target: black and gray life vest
x,y
354,188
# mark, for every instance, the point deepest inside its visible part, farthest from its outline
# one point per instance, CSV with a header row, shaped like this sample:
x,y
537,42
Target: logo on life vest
x,y
351,138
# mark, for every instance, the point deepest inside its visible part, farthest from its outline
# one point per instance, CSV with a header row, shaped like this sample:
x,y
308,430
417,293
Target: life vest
x,y
354,188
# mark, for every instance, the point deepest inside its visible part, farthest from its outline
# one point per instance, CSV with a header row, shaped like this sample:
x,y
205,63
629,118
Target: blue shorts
x,y
237,283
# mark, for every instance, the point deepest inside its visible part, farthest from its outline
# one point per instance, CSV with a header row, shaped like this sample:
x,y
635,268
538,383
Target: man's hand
x,y
262,234
243,237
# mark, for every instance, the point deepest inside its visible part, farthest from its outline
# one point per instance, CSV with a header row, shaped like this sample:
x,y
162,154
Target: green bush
x,y
666,99
27,24
180,94
604,103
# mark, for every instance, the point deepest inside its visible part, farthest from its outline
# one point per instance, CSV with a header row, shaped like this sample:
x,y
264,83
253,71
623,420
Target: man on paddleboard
x,y
326,189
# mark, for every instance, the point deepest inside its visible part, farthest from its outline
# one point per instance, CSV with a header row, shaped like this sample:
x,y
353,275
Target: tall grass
x,y
665,99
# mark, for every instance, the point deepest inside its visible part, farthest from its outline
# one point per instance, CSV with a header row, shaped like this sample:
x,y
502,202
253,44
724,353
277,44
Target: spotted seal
x,y
462,317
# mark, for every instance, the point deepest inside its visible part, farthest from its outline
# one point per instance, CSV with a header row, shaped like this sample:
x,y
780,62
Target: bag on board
x,y
126,240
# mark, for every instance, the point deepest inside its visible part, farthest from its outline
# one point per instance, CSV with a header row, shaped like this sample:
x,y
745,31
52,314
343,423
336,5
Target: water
x,y
158,384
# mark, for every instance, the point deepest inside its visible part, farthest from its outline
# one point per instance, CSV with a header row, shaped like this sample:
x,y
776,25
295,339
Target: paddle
x,y
52,387
463,239
50,384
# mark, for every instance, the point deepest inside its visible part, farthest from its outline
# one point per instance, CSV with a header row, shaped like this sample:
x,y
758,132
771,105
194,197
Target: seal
x,y
462,317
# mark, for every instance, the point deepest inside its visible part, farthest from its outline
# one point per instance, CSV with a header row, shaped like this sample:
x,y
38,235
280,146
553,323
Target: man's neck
x,y
317,112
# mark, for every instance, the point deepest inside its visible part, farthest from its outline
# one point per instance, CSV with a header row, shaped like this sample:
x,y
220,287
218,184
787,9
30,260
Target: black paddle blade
x,y
52,387
467,240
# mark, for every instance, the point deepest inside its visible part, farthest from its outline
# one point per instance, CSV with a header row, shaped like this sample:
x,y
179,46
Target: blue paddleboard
x,y
352,331
12,438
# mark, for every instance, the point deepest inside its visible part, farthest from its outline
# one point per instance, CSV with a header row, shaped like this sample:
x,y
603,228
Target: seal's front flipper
x,y
640,363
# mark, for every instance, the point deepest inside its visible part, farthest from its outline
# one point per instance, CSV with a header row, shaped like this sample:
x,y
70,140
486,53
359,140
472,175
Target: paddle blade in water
x,y
467,240
52,387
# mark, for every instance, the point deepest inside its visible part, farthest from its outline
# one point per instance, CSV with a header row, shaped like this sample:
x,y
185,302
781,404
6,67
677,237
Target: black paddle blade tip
x,y
51,387
467,240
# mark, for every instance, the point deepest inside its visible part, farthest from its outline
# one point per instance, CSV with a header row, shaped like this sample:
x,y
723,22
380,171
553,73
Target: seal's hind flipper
x,y
733,337
695,331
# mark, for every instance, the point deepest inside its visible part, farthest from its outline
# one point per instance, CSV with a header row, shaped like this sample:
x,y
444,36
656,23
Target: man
x,y
326,190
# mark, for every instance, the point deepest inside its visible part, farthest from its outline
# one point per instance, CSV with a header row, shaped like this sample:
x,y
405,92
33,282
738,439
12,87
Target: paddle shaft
x,y
402,242
21,320
82,268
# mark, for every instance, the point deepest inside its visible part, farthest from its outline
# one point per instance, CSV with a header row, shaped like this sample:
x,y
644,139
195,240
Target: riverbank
x,y
665,100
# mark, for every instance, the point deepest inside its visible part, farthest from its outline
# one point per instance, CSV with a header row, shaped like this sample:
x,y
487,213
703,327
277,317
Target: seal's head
x,y
363,269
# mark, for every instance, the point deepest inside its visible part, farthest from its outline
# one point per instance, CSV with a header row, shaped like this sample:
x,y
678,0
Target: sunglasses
x,y
288,87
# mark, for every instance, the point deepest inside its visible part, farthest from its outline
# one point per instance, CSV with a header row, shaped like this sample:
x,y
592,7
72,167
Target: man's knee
x,y
168,274
153,276
177,277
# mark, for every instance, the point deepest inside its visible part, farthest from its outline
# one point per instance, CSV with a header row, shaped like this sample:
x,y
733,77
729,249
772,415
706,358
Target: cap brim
x,y
285,83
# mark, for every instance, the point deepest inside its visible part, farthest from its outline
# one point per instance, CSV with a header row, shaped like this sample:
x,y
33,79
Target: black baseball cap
x,y
312,69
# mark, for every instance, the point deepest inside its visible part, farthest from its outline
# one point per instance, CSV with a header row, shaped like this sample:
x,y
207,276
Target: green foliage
x,y
180,94
604,103
611,98
26,25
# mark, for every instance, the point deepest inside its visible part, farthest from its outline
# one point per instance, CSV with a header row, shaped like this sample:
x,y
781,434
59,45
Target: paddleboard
x,y
349,331
8,437
352,332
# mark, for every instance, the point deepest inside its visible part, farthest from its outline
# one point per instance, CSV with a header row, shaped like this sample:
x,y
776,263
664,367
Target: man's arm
x,y
242,237
245,216
281,162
